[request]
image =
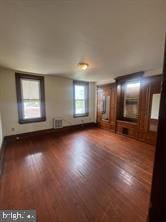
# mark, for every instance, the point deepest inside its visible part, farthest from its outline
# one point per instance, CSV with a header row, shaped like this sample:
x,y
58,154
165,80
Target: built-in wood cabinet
x,y
144,127
151,86
107,91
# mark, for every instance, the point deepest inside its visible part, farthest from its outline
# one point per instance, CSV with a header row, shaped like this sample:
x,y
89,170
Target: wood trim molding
x,y
65,129
18,77
132,76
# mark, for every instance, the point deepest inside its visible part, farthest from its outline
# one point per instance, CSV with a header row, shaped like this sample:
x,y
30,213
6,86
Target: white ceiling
x,y
115,37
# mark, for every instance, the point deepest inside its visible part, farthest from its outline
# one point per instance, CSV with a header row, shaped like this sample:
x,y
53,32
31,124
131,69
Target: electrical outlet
x,y
12,129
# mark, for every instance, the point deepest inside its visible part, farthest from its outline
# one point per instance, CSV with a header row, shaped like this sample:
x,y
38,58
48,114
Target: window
x,y
30,98
131,100
128,96
81,98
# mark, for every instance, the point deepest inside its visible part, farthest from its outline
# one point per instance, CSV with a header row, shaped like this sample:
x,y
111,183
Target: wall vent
x,y
125,131
57,123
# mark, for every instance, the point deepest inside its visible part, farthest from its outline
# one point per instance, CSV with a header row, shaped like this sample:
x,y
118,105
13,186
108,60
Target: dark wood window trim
x,y
20,76
129,77
86,84
121,83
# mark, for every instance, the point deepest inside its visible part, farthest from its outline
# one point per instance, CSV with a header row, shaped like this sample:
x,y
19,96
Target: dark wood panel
x,y
150,86
158,195
107,90
141,129
127,128
80,176
144,107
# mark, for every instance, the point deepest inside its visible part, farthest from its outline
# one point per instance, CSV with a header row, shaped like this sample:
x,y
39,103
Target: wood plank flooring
x,y
85,176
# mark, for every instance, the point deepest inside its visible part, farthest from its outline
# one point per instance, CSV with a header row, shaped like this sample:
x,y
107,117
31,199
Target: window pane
x,y
31,109
30,89
79,92
30,98
131,100
79,106
81,96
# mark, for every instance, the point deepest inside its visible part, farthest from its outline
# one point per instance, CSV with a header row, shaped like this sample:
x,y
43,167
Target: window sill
x,y
133,120
23,121
80,115
126,122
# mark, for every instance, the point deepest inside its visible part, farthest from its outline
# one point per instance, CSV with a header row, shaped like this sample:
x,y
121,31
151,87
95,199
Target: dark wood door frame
x,y
157,212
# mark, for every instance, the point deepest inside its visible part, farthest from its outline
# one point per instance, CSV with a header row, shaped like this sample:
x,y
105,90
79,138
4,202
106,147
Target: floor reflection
x,y
126,177
37,157
79,152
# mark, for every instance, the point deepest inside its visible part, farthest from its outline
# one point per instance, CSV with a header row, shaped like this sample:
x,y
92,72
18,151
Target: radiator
x,y
57,123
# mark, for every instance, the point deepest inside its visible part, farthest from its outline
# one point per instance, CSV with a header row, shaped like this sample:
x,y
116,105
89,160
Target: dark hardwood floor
x,y
84,176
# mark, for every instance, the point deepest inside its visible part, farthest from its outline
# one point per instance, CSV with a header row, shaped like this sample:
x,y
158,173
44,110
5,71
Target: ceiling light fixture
x,y
83,66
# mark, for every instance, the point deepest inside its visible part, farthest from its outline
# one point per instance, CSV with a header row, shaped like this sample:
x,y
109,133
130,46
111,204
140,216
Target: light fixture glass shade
x,y
83,66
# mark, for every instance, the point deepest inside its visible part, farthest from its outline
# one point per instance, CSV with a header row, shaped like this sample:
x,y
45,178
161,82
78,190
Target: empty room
x,y
82,120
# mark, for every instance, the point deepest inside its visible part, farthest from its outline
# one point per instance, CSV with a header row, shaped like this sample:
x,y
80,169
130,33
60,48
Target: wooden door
x,y
157,212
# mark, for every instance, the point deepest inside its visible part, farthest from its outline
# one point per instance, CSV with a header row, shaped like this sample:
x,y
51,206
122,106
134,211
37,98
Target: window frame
x,y
124,90
86,85
121,82
19,77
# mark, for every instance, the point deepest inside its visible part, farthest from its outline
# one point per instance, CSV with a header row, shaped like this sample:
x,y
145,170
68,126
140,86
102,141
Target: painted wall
x,y
1,134
59,103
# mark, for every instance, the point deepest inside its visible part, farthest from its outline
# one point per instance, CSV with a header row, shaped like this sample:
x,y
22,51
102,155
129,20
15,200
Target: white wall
x,y
59,102
155,106
1,134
